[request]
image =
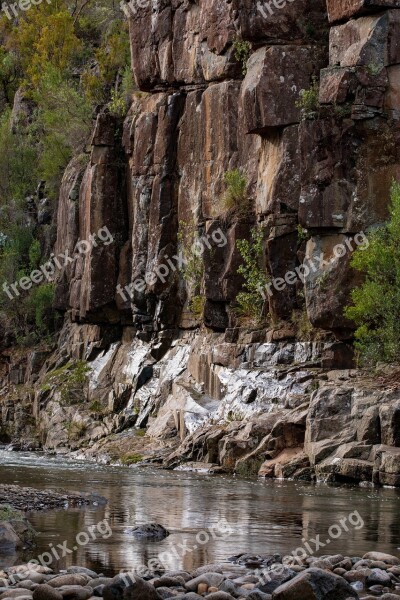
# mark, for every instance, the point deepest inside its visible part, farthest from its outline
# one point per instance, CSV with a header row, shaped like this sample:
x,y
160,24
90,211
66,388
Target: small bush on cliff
x,y
308,101
242,52
70,380
250,302
236,200
117,105
376,303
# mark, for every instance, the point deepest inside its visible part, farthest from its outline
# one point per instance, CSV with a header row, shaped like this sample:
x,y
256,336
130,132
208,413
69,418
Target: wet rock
x,y
209,568
46,592
168,581
83,570
315,584
220,596
75,592
386,558
16,593
8,537
23,498
151,531
140,590
211,579
378,577
35,577
99,581
274,579
70,579
257,595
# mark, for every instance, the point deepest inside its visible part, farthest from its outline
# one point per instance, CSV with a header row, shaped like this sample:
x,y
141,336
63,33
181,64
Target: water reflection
x,y
266,516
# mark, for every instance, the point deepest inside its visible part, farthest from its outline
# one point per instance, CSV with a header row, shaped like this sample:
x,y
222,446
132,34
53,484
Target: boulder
x,y
389,416
141,590
340,10
370,40
389,559
315,584
8,537
46,592
153,531
70,579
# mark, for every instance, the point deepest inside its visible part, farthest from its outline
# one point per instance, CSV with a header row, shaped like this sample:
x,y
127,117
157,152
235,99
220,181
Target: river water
x,y
263,516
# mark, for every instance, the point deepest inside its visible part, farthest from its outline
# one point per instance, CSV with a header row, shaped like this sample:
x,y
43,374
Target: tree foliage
x,y
250,301
376,303
50,53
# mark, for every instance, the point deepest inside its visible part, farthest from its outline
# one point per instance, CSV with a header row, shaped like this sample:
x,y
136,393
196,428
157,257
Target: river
x,y
264,516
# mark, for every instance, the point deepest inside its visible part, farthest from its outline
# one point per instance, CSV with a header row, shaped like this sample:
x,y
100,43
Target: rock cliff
x,y
219,85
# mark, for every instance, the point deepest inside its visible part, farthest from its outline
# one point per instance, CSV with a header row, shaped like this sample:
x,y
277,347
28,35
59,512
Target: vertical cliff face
x,y
325,168
194,120
318,174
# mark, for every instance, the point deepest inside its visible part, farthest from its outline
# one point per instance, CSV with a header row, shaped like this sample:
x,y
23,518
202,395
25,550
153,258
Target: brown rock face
x,y
275,77
366,41
92,227
328,281
339,10
324,163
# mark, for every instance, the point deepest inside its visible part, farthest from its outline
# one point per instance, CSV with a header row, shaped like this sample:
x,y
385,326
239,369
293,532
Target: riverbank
x,y
27,499
338,577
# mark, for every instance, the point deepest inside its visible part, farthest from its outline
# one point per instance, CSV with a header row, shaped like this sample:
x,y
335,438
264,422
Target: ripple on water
x,y
265,516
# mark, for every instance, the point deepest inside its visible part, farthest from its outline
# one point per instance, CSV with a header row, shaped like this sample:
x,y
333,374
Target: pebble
x,y
375,574
46,592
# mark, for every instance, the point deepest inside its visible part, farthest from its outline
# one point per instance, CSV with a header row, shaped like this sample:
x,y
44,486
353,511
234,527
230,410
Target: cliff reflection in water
x,y
265,516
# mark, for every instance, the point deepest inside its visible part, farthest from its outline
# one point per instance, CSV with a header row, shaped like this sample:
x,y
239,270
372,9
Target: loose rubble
x,y
26,499
330,577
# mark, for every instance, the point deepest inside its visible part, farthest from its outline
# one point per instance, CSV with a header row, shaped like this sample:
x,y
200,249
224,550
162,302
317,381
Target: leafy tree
x,y
376,303
45,37
18,161
65,120
250,302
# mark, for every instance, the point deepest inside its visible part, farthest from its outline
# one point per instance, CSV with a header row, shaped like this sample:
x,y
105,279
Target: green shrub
x,y
250,302
308,101
76,430
235,200
197,305
18,161
376,303
71,380
64,131
303,234
242,52
35,254
41,300
117,104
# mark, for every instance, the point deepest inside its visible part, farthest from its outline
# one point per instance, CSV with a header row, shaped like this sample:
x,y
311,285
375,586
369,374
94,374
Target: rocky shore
x,y
26,499
331,577
15,530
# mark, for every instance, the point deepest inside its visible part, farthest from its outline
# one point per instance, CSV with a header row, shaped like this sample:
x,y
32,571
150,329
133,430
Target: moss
x,y
97,408
8,513
70,380
249,468
131,459
76,430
